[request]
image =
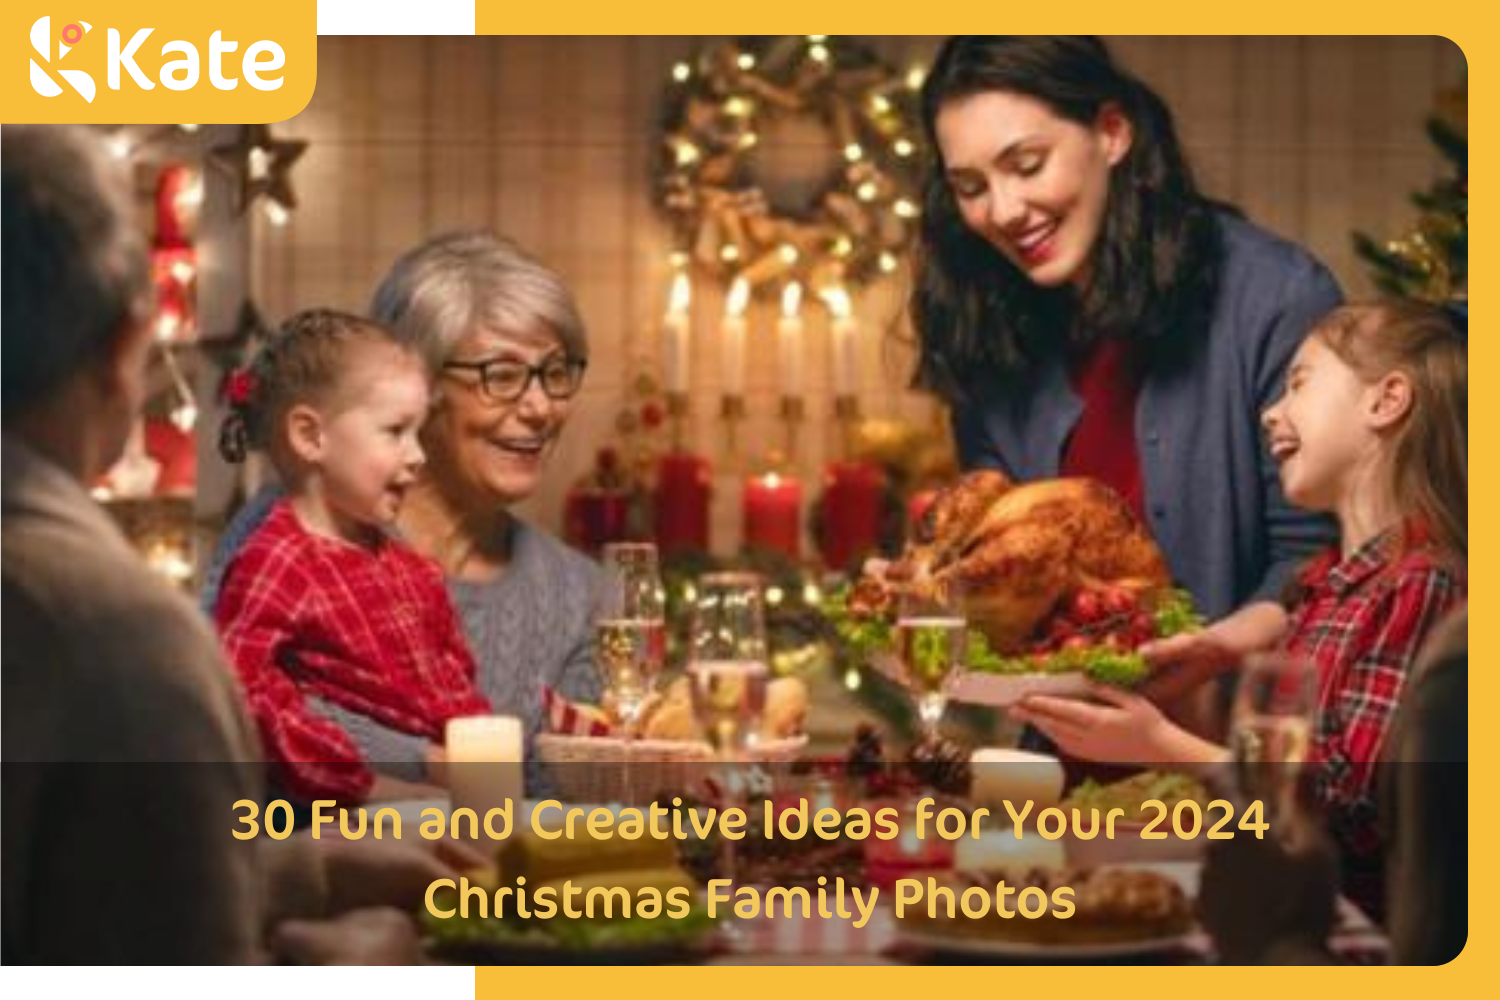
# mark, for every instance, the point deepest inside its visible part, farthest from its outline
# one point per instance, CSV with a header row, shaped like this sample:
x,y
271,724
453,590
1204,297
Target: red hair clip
x,y
239,387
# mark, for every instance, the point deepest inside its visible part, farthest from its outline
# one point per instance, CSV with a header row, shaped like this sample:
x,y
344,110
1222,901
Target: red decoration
x,y
887,861
176,452
853,502
239,387
177,198
916,509
682,499
773,514
596,516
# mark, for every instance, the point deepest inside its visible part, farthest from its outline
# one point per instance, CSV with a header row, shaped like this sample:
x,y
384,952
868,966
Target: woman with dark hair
x,y
1087,311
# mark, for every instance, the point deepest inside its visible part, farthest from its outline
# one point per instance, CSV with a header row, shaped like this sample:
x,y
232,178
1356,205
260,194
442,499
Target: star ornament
x,y
259,165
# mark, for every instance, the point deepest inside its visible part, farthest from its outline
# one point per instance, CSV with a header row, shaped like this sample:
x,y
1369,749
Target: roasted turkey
x,y
1016,551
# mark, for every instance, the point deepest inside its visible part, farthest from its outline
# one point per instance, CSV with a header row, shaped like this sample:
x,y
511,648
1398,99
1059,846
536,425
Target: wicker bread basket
x,y
589,768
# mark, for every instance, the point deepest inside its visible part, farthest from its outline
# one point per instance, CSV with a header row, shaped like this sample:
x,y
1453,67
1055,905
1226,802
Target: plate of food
x,y
1061,587
1130,794
1119,911
635,906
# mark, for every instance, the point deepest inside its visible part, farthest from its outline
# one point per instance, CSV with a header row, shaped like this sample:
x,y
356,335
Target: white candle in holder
x,y
732,336
1017,775
484,762
677,359
1002,850
789,341
845,348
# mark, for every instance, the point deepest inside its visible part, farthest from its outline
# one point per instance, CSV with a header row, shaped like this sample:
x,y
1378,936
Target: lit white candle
x,y
732,342
677,336
1016,775
789,341
842,333
484,756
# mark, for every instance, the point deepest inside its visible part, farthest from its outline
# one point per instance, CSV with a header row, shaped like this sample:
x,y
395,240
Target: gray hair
x,y
74,263
456,284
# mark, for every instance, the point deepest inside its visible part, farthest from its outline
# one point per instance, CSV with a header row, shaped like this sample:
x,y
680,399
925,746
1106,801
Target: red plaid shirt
x,y
1362,620
369,629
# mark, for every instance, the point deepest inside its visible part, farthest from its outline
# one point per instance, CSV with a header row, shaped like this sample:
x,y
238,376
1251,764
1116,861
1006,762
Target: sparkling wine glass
x,y
630,635
1272,727
931,646
729,668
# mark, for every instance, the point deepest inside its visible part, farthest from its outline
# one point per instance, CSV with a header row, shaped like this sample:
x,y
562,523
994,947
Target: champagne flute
x,y
932,646
630,635
1272,728
728,675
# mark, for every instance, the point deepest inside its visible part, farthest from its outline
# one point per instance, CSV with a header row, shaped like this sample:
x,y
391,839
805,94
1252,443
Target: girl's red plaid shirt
x,y
1362,620
369,629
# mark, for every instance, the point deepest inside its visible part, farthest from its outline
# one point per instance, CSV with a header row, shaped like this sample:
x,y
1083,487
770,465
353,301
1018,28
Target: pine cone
x,y
942,764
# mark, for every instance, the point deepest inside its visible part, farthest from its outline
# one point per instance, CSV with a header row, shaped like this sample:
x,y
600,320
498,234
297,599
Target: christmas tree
x,y
1431,262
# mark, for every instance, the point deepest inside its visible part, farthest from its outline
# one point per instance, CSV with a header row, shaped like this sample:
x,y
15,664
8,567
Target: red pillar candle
x,y
773,514
853,495
682,499
596,517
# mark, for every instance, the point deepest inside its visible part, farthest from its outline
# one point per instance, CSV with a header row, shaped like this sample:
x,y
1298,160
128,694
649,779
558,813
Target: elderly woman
x,y
506,341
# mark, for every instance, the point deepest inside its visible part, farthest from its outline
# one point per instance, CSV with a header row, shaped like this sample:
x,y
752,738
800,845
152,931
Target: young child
x,y
320,603
1372,428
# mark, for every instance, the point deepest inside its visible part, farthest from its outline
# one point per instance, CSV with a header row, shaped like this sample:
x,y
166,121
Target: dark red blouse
x,y
1107,378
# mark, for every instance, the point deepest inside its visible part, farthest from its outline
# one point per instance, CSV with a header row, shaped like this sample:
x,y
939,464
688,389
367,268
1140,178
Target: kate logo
x,y
41,40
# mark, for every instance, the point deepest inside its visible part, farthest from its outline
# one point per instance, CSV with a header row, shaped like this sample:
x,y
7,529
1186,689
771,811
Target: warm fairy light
x,y
119,147
190,195
904,147
689,593
182,272
277,213
815,39
739,297
843,246
812,594
185,416
189,129
881,104
887,262
260,164
853,152
748,140
867,191
914,78
791,300
851,679
837,301
788,253
729,253
774,596
168,324
681,72
687,154
906,209
737,106
745,62
678,259
819,53
681,295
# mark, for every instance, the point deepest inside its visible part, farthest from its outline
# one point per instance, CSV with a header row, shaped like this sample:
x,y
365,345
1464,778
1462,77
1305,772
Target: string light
x,y
904,148
851,679
189,129
819,53
277,213
905,209
119,147
746,62
867,191
887,262
729,253
853,152
681,72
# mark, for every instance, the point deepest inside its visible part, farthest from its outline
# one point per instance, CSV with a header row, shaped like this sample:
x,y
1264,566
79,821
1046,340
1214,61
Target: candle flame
x,y
739,297
837,301
682,292
791,300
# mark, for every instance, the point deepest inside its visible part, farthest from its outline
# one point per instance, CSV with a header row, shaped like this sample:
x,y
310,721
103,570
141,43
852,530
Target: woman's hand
x,y
1181,663
364,937
1124,728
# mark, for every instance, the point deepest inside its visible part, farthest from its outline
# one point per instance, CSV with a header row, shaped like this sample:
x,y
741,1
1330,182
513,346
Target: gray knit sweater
x,y
530,626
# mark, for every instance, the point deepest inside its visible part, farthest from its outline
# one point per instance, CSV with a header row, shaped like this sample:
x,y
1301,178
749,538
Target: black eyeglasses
x,y
505,380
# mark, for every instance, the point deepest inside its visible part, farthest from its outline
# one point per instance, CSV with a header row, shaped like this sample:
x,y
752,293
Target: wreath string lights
x,y
718,108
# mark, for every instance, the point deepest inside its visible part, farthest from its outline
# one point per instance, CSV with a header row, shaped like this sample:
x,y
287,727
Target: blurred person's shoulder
x,y
103,659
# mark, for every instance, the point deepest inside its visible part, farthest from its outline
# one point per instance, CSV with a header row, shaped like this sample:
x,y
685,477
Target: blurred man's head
x,y
75,296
